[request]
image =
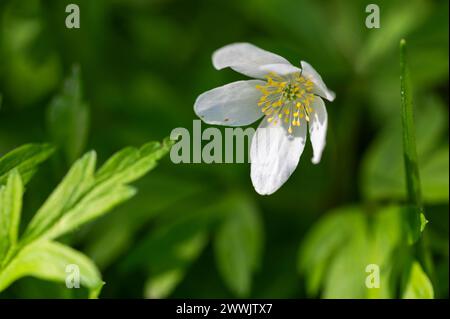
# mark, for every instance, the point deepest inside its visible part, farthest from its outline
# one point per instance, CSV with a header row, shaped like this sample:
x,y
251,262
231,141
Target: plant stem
x,y
409,134
411,160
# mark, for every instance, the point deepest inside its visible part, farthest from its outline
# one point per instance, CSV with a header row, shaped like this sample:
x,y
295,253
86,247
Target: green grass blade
x,y
409,133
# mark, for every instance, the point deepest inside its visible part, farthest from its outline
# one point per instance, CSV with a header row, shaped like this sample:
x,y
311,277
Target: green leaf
x,y
324,242
334,255
167,273
238,244
419,285
74,185
48,260
109,238
84,195
345,275
26,159
160,286
10,209
89,208
68,118
170,248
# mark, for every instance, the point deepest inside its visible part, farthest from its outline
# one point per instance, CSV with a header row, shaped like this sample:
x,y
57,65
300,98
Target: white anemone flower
x,y
289,98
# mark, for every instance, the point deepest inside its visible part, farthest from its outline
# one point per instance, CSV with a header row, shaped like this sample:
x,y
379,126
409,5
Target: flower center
x,y
287,98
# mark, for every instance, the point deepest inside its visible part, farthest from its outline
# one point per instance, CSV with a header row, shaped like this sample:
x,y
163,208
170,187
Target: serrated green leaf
x,y
419,285
84,195
74,185
26,159
68,118
238,244
10,210
90,208
131,163
49,260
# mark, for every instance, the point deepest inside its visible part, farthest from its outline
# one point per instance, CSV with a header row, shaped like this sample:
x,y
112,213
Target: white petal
x,y
234,104
318,128
274,155
319,86
245,58
279,68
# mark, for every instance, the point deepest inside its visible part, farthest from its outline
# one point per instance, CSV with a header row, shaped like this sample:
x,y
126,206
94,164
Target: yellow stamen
x,y
286,98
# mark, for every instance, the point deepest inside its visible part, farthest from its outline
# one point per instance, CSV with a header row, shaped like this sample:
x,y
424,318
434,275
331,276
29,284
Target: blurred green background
x,y
198,230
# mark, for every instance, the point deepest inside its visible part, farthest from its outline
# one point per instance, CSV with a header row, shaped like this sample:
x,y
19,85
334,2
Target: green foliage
x,y
238,245
83,195
48,260
25,159
171,240
384,238
335,253
418,285
37,74
382,170
176,243
170,250
398,21
10,209
68,118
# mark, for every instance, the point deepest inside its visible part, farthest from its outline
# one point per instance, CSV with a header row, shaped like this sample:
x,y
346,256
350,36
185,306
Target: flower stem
x,y
409,134
411,161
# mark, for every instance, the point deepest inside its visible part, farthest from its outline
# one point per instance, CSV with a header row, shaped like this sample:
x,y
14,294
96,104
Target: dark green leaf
x,y
238,244
68,118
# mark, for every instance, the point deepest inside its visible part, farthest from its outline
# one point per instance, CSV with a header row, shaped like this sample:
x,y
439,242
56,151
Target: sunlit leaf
x,y
162,285
25,158
322,243
84,195
10,210
48,260
115,235
419,285
334,255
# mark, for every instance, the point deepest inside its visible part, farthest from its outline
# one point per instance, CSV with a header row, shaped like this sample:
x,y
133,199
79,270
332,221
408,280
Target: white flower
x,y
289,98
